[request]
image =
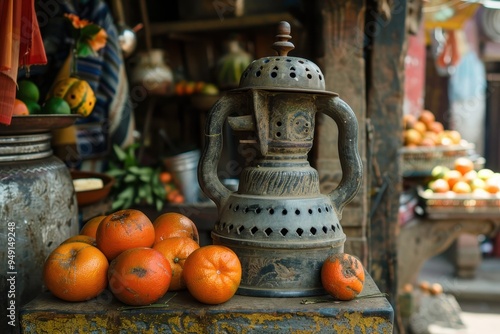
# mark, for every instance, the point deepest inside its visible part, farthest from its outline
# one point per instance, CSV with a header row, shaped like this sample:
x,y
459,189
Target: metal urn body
x,y
278,223
38,211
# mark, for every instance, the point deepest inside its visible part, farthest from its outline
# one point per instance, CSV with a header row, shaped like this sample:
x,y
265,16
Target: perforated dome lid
x,y
283,72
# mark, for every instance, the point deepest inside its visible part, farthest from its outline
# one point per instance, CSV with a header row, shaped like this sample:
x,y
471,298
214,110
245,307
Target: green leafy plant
x,y
134,184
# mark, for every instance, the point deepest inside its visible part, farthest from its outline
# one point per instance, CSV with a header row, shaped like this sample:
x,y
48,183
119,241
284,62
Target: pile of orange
x,y
140,260
425,130
463,178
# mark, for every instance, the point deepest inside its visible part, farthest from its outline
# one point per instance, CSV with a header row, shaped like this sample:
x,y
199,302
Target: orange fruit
x,y
461,187
180,87
75,272
343,276
420,127
427,117
81,238
436,127
139,276
165,177
454,136
408,121
470,176
176,250
439,186
90,227
492,185
452,177
122,230
20,108
173,224
412,137
463,165
212,274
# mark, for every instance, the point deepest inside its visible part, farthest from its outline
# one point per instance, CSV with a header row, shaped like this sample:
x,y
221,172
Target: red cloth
x,y
21,44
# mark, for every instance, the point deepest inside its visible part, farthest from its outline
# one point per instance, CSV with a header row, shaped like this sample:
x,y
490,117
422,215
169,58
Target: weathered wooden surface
x,y
182,314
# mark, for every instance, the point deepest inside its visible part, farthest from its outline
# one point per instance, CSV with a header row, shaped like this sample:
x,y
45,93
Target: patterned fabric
x,y
111,121
20,45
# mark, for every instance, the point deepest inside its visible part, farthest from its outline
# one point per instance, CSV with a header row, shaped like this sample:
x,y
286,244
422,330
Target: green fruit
x,y
28,91
478,184
209,89
439,172
485,174
33,107
56,105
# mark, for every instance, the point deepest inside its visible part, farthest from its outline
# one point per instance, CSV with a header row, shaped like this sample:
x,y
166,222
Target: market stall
x,y
303,222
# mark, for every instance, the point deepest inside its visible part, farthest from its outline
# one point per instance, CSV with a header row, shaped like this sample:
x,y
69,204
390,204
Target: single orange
x,y
173,224
420,127
436,127
492,185
75,272
463,165
452,177
412,137
212,274
122,230
90,227
176,250
81,238
165,177
439,186
20,108
343,276
408,121
427,117
139,276
462,187
454,136
470,176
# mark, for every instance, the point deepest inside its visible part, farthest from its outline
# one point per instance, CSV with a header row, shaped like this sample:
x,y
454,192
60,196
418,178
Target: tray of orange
x,y
427,144
461,189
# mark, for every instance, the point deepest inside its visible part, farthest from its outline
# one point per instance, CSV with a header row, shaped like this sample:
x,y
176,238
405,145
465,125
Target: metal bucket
x,y
184,168
38,211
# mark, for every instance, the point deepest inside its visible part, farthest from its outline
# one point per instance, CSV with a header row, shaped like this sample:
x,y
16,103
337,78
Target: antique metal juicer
x,y
278,223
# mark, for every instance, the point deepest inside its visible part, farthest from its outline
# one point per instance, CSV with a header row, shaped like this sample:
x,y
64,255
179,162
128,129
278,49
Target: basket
x,y
422,159
439,205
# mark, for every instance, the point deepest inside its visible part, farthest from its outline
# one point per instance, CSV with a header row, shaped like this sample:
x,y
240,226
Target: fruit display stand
x,y
419,161
445,218
178,312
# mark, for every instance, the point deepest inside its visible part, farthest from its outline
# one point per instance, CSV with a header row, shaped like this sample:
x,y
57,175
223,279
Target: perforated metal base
x,y
281,242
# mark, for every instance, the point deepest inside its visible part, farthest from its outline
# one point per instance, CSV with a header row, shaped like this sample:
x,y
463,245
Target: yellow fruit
x,y
77,93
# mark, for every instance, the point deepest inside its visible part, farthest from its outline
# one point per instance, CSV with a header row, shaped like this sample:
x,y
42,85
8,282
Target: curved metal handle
x,y
350,161
207,167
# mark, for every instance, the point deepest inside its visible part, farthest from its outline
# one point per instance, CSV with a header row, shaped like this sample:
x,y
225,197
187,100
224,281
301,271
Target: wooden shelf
x,y
243,22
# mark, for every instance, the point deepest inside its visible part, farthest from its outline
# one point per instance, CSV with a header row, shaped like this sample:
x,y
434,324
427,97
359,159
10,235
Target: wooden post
x,y
387,37
339,52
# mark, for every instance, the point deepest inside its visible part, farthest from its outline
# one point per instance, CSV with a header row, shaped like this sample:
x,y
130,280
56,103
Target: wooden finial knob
x,y
282,44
